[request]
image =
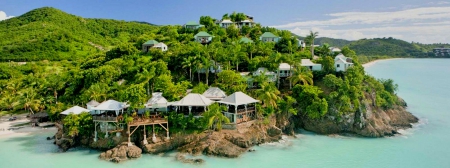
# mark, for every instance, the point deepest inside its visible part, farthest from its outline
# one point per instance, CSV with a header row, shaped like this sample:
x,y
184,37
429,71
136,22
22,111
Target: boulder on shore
x,y
121,153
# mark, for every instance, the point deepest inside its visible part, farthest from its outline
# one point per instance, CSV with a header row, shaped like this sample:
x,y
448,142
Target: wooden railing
x,y
104,118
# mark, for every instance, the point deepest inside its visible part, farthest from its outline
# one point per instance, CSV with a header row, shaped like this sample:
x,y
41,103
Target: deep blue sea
x,y
423,83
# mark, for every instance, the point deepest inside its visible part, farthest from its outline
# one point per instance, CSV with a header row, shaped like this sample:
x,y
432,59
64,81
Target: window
x,y
337,66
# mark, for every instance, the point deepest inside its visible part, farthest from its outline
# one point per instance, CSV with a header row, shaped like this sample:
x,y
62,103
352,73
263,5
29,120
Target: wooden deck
x,y
151,121
104,119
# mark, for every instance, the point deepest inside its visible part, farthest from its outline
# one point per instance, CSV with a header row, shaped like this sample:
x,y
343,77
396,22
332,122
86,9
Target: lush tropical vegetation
x,y
101,59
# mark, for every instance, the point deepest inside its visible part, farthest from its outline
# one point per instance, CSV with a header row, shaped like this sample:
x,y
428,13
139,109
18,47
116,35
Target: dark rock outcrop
x,y
371,122
121,153
180,157
232,143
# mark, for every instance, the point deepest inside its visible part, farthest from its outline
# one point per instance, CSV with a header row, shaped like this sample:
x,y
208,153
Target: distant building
x,y
272,76
161,46
226,23
335,50
284,70
441,52
203,37
310,65
269,37
301,44
192,25
245,40
153,44
342,63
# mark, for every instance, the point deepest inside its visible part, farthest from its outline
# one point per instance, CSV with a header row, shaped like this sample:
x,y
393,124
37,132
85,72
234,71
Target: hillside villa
x,y
214,93
310,65
226,23
192,25
153,44
342,63
203,37
335,50
269,37
245,40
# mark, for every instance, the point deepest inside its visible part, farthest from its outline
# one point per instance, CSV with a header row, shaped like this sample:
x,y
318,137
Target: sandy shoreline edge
x,y
369,64
25,130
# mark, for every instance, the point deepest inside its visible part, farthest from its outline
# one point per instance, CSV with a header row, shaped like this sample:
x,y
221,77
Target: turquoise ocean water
x,y
424,84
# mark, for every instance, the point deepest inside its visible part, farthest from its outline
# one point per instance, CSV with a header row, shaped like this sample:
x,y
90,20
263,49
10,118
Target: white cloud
x,y
426,25
439,3
3,16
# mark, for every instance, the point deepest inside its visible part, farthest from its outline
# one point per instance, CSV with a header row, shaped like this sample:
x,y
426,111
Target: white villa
x,y
74,110
342,63
310,65
226,23
153,44
242,107
203,37
272,76
335,50
157,102
192,25
269,37
284,70
92,104
214,93
195,103
161,46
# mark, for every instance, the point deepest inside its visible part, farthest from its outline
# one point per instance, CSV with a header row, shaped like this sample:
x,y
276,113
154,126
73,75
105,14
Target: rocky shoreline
x,y
232,143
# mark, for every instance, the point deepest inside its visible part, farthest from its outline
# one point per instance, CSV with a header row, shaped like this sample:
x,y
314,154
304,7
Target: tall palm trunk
x,y
207,76
190,74
198,72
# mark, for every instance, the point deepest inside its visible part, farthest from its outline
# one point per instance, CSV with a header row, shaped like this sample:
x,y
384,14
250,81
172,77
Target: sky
x,y
424,21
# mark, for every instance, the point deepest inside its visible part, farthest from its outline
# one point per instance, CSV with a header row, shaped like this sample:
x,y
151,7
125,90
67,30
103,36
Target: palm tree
x,y
312,35
214,116
188,63
9,102
145,76
268,94
30,100
301,74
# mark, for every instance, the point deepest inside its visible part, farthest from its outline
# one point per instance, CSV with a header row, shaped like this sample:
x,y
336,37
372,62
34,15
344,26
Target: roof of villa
x,y
245,40
238,98
159,45
284,66
74,110
192,23
110,105
268,35
157,100
193,99
341,57
92,103
226,21
246,21
203,34
262,69
151,42
308,62
214,93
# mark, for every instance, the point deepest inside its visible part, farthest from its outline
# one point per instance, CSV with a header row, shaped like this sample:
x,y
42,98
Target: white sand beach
x,y
366,65
21,128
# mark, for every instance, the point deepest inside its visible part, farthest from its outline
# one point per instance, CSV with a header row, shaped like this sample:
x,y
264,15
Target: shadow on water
x,y
36,143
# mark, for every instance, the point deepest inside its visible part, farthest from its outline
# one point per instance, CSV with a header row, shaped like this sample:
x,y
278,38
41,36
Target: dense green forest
x,y
124,73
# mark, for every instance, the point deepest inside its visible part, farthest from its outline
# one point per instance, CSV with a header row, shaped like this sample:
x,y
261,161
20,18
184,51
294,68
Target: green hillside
x,y
389,47
48,33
